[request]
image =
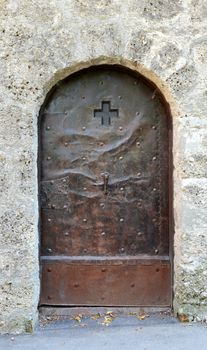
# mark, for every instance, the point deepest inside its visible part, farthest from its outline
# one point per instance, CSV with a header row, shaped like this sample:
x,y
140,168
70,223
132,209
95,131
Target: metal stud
x,y
121,220
154,189
66,143
122,189
84,220
120,128
103,233
122,250
49,220
103,269
139,233
52,182
137,113
138,174
49,250
49,269
154,158
84,158
64,180
156,251
121,158
53,206
84,188
48,158
83,128
101,144
66,233
138,143
153,127
120,97
48,127
65,206
102,205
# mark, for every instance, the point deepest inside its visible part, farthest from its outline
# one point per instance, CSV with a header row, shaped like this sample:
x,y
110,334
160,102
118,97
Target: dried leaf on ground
x,y
107,320
96,316
110,314
183,318
78,318
142,317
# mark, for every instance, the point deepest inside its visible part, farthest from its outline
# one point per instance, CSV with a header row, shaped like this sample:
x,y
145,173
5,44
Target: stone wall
x,y
44,41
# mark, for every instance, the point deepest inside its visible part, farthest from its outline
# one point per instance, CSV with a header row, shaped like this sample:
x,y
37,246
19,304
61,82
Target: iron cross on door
x,y
106,113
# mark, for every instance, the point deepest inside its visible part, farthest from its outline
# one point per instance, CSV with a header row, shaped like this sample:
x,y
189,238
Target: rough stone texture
x,y
42,42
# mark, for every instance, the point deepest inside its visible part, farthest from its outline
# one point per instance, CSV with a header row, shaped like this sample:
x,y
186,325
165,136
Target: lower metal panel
x,y
68,283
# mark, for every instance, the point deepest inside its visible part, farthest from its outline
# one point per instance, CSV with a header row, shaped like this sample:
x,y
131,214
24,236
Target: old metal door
x,y
104,198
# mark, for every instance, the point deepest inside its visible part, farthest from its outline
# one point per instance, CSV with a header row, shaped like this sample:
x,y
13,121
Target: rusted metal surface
x,y
104,184
136,284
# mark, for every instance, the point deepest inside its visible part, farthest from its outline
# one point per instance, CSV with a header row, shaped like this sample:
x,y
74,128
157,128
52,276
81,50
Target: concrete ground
x,y
109,332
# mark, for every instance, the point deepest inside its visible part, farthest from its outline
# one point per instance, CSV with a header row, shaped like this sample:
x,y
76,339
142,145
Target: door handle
x,y
106,181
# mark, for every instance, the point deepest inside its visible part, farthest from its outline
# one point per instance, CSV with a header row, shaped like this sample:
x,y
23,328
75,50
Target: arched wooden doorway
x,y
105,178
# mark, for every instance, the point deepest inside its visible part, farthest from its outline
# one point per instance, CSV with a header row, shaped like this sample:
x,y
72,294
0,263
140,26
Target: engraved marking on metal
x,y
106,180
106,113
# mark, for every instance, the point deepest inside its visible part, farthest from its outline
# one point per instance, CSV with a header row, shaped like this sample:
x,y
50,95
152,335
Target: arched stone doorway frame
x,y
159,86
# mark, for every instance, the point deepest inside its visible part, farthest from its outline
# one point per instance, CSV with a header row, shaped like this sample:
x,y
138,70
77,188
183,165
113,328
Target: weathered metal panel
x,y
112,284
